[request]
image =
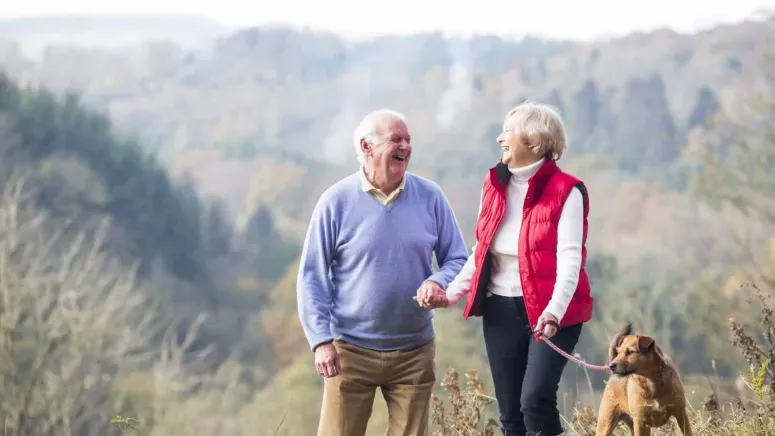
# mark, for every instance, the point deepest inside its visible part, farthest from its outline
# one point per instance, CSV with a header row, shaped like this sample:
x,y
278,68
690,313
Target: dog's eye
x,y
628,352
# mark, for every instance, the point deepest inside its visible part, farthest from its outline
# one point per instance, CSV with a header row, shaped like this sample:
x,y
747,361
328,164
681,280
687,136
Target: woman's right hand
x,y
439,302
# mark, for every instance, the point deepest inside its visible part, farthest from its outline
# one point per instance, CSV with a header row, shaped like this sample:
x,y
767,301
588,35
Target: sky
x,y
573,19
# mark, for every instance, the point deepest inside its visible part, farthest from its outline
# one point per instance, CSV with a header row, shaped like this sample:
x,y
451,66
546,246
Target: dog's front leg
x,y
684,422
607,416
606,424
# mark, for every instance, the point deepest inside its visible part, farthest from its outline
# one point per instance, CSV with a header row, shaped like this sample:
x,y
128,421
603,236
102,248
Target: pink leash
x,y
573,359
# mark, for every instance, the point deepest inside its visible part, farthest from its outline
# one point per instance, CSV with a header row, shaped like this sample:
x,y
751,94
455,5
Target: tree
x,y
72,317
705,106
731,171
645,134
161,220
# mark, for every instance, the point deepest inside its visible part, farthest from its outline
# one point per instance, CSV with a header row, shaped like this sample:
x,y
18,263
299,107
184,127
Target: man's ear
x,y
646,344
365,147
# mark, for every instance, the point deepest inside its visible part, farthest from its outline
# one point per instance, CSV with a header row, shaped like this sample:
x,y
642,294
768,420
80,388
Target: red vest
x,y
547,190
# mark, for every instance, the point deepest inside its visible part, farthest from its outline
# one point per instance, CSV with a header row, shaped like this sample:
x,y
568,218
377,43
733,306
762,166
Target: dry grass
x,y
732,421
464,411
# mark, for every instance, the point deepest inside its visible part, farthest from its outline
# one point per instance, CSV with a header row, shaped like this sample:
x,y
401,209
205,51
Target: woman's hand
x,y
438,301
431,296
547,325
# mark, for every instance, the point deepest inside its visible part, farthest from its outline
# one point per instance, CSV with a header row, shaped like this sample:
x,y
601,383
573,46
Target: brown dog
x,y
644,390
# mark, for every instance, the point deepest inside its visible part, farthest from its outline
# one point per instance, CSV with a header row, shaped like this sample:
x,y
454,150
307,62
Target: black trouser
x,y
526,373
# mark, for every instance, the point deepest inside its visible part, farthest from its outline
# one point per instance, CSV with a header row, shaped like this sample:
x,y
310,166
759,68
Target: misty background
x,y
159,164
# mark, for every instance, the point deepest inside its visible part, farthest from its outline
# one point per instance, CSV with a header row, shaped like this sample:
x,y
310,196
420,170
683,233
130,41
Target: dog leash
x,y
573,359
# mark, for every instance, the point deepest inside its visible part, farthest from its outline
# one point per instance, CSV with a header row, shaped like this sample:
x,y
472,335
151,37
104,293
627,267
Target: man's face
x,y
389,150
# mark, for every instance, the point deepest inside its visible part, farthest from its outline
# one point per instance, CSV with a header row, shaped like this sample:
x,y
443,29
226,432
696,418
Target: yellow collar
x,y
366,185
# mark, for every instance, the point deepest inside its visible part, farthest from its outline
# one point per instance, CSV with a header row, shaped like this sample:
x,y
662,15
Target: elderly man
x,y
366,257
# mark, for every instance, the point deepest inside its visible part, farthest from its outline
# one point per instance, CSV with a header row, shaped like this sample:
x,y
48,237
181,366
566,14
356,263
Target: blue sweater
x,y
362,262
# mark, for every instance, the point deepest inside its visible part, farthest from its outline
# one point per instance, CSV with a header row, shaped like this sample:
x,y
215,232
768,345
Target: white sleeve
x,y
570,234
461,285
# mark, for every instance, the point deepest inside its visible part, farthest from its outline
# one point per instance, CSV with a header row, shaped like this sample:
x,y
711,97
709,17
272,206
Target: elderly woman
x,y
526,275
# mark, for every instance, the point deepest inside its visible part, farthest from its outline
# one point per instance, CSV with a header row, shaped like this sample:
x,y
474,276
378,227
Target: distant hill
x,y
291,97
109,31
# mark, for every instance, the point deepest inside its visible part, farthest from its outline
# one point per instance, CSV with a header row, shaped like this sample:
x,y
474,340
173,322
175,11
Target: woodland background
x,y
155,195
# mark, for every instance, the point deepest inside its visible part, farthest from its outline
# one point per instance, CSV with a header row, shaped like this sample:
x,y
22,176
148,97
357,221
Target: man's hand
x,y
431,296
327,360
547,325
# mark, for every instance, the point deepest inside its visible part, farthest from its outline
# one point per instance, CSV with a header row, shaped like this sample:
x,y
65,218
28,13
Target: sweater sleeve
x,y
313,285
450,249
461,285
570,233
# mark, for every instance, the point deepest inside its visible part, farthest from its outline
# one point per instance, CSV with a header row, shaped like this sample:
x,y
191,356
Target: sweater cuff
x,y
319,339
438,278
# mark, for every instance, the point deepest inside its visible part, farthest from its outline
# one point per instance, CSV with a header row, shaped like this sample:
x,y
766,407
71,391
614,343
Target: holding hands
x,y
431,296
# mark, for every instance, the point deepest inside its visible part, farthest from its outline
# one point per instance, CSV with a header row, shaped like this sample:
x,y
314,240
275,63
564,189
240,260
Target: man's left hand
x,y
430,295
547,325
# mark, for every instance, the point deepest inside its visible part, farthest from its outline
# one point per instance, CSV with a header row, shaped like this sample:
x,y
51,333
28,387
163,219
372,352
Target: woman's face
x,y
515,150
512,149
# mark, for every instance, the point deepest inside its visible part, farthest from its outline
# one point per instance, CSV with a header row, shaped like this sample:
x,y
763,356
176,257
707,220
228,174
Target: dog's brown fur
x,y
644,390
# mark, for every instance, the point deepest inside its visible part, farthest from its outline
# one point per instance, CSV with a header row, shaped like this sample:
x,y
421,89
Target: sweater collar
x,y
544,171
523,174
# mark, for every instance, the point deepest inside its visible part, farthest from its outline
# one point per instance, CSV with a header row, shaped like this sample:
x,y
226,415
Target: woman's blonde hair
x,y
540,127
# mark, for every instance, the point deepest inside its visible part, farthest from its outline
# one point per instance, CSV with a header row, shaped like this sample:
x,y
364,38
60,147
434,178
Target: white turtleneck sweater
x,y
505,278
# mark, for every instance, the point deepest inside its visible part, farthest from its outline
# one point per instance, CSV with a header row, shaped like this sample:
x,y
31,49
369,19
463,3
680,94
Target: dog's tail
x,y
626,330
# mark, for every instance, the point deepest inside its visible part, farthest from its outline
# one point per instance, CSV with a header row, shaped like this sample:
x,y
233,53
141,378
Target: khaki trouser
x,y
406,378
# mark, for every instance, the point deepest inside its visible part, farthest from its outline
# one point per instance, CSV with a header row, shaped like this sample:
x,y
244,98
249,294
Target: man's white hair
x,y
367,129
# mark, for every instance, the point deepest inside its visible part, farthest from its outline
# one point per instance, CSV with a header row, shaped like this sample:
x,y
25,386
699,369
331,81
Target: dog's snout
x,y
612,366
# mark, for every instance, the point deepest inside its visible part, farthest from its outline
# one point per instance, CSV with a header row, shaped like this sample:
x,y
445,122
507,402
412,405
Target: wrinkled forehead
x,y
391,125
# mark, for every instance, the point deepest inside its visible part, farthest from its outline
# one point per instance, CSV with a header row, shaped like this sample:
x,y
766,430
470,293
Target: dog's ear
x,y
616,342
646,344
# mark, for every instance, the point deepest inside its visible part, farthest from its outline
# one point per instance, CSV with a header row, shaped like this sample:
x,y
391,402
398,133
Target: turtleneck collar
x,y
522,174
